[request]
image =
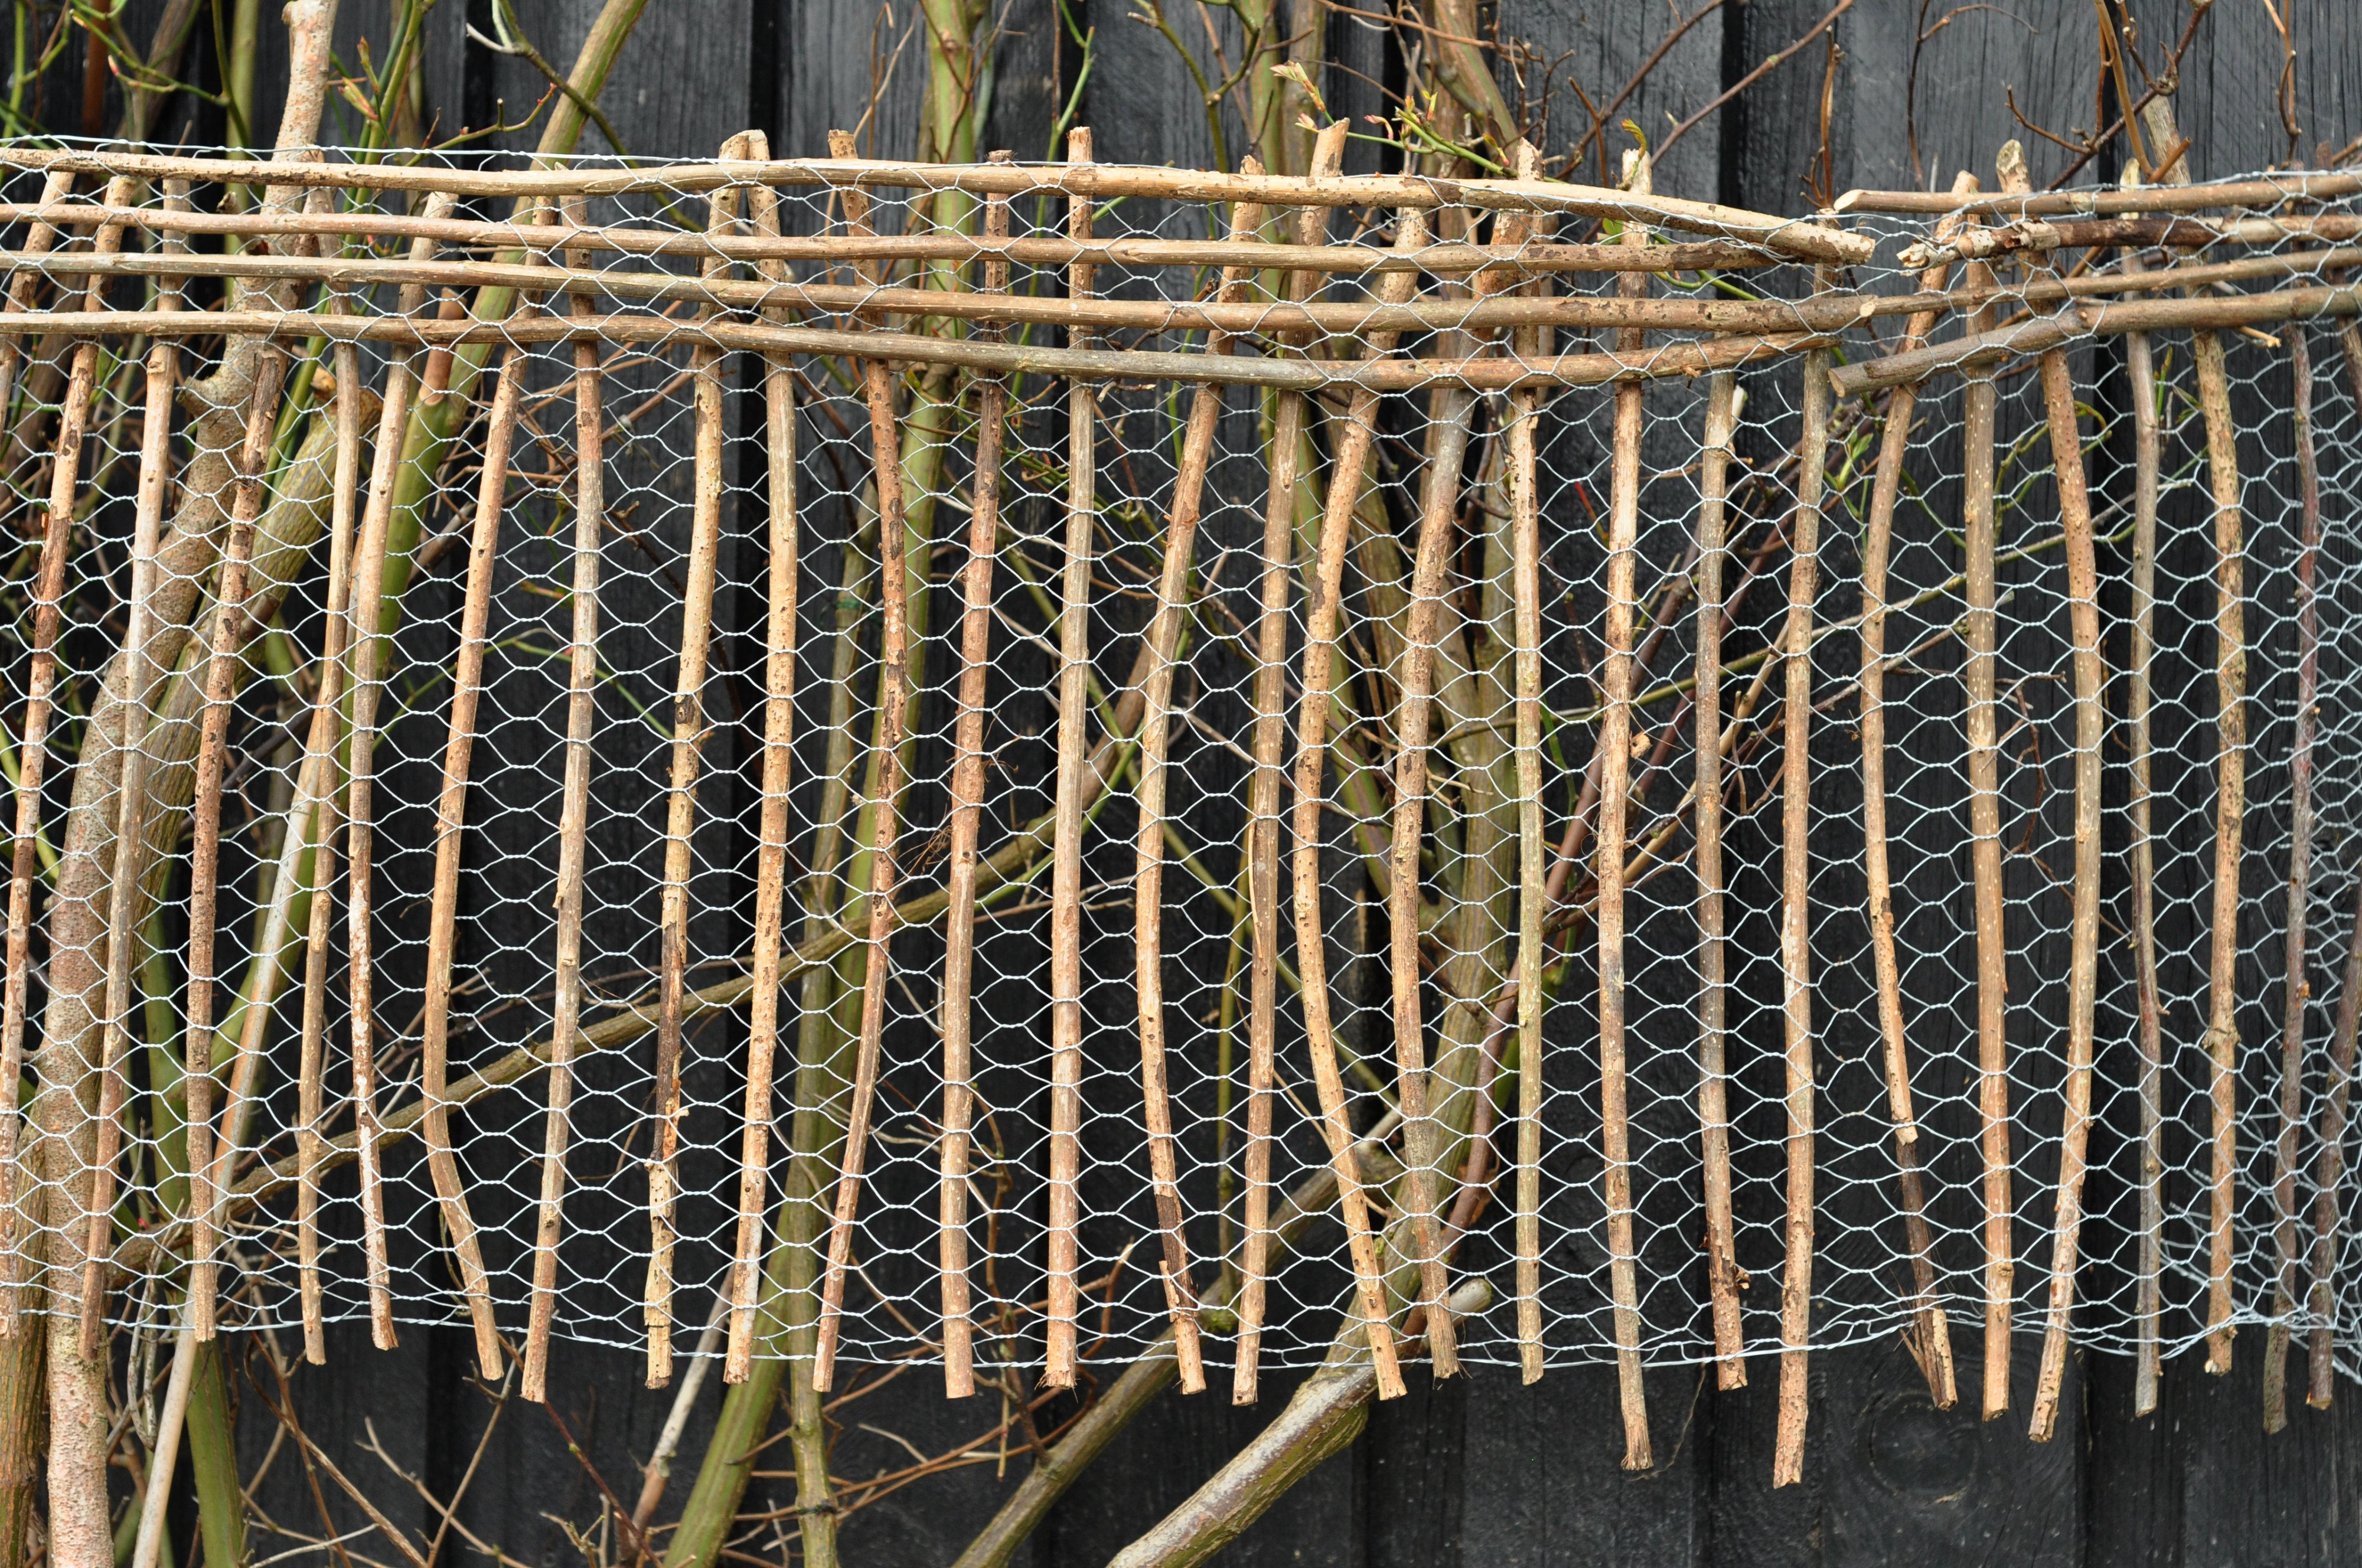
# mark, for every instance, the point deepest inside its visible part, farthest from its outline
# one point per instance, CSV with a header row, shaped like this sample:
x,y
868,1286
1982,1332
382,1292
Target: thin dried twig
x,y
893,597
1066,868
2297,986
688,731
573,852
1796,931
368,648
771,855
1713,997
2083,938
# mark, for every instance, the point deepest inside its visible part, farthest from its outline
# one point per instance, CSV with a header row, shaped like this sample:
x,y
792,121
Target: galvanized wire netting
x,y
505,974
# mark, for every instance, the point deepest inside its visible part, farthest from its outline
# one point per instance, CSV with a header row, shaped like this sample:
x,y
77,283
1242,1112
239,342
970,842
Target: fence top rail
x,y
1098,181
2267,192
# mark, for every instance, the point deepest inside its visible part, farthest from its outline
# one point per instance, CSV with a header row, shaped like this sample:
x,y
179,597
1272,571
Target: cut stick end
x,y
1188,1353
1730,1374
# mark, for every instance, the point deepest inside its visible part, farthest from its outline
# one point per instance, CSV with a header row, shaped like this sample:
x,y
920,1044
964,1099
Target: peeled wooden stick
x,y
894,637
1160,656
1931,1336
2084,936
368,570
1795,931
688,728
967,819
573,850
1982,643
1614,840
1534,896
1714,998
1356,434
2230,784
451,814
2330,1171
2297,986
771,854
1066,854
2148,1303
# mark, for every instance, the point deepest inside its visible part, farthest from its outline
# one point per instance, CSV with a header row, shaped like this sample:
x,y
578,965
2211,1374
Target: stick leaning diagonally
x,y
885,441
573,848
771,854
1930,1337
369,685
688,731
1323,615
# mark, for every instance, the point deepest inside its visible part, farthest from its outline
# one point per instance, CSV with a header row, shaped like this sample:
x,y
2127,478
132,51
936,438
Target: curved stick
x,y
368,644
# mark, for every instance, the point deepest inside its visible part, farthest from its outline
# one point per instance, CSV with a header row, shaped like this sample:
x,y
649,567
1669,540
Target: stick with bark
x,y
1533,868
40,238
1323,615
1795,933
1614,808
893,598
451,815
1981,642
1066,868
1714,998
573,840
2297,986
2084,938
368,645
24,858
1930,1337
319,789
771,855
2331,1169
689,730
2148,1304
966,820
2230,784
1161,656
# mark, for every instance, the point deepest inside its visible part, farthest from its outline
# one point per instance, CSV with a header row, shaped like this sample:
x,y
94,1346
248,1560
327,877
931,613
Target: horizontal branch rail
x,y
2266,193
1092,181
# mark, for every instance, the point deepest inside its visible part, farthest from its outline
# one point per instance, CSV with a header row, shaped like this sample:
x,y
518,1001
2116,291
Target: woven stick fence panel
x,y
1956,1088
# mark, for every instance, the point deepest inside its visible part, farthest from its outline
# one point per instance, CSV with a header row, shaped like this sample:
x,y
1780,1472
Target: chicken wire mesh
x,y
504,970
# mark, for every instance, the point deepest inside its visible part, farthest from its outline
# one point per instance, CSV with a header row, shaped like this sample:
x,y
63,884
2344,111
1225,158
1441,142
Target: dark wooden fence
x,y
1477,1470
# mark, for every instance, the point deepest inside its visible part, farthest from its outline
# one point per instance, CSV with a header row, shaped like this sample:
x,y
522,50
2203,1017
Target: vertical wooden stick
x,y
2298,987
884,441
1161,661
40,238
451,822
967,819
771,854
573,832
1714,1073
1614,846
367,645
318,784
689,729
1929,1338
1979,396
1067,870
1356,434
2083,938
2330,1171
2149,1265
1795,930
1534,896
